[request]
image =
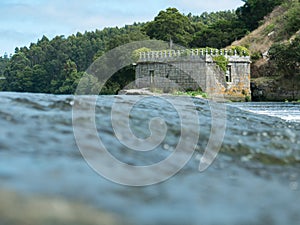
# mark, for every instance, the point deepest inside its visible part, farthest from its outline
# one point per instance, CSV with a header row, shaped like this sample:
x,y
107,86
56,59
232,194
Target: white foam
x,y
293,116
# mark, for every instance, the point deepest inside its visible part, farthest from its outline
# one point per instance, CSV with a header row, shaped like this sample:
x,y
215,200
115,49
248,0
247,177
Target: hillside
x,y
274,47
262,38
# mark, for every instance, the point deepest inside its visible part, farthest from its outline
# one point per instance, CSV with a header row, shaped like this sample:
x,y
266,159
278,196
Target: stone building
x,y
196,70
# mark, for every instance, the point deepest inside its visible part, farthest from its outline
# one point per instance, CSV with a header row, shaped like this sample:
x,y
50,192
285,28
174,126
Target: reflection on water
x,y
254,180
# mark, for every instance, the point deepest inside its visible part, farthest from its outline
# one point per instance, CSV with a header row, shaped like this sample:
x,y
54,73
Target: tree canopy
x,y
253,11
170,25
55,66
286,57
3,63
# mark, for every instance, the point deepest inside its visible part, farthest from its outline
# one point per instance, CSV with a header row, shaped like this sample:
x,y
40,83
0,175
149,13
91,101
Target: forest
x,y
55,66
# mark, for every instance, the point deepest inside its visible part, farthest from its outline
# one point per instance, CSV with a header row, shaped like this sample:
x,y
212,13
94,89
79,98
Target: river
x,y
255,178
284,110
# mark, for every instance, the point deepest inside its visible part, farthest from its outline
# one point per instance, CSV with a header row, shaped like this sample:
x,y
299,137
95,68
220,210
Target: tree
x,y
39,79
254,11
291,20
3,63
89,84
69,78
213,17
218,35
18,66
286,57
122,39
170,25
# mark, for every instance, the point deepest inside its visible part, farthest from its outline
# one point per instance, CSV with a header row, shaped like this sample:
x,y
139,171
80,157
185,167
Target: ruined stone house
x,y
196,70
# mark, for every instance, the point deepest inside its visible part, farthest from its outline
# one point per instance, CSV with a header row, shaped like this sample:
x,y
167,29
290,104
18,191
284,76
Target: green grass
x,y
192,93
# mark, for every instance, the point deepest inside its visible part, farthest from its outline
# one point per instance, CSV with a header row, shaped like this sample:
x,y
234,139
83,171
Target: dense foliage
x,y
217,29
283,30
290,20
286,58
55,66
171,25
253,11
3,63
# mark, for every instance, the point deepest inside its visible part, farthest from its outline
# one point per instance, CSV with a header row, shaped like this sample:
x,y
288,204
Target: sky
x,y
25,21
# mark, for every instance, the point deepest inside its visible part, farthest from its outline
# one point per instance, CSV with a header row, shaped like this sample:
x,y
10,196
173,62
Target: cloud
x,y
24,19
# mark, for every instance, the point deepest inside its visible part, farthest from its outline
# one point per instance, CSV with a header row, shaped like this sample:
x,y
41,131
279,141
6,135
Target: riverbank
x,y
272,89
158,92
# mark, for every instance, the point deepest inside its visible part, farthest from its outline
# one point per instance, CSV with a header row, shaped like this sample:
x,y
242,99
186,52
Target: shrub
x,y
240,50
256,56
136,53
221,61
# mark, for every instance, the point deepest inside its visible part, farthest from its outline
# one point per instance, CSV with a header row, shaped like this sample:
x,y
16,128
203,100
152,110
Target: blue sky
x,y
26,21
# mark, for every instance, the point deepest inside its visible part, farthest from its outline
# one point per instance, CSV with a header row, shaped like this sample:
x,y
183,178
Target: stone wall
x,y
181,75
275,89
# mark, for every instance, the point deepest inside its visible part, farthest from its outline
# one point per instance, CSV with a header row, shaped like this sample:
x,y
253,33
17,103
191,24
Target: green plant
x,y
269,28
179,93
196,93
136,53
204,95
291,19
247,98
285,57
240,50
192,93
256,56
247,46
221,61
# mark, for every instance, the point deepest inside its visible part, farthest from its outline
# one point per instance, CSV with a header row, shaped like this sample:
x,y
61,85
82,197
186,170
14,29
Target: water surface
x,y
284,110
254,180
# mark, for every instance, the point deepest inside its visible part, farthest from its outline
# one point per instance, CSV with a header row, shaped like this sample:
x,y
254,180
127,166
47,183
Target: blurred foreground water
x,y
255,178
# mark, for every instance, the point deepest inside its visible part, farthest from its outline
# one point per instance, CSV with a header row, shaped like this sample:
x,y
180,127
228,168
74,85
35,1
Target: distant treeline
x,y
55,66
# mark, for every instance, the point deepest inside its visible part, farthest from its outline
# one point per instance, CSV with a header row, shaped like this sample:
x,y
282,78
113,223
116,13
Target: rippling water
x,y
254,179
283,110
